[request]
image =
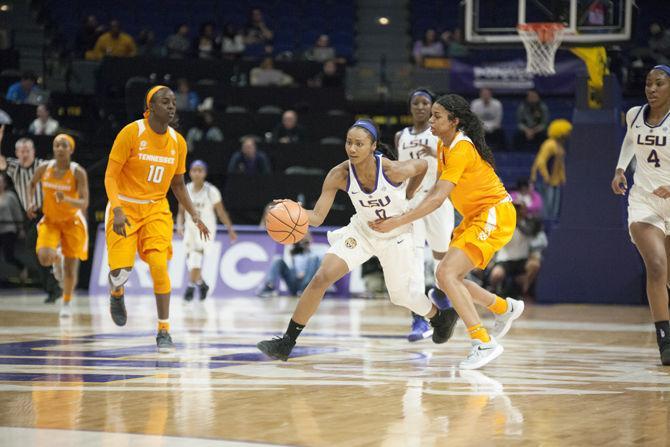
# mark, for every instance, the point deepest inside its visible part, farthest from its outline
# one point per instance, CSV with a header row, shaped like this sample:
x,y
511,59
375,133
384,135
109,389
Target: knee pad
x,y
416,302
116,282
159,271
194,259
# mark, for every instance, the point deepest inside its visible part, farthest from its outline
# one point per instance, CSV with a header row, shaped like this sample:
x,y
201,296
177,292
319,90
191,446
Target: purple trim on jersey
x,y
644,117
395,185
378,163
637,114
348,180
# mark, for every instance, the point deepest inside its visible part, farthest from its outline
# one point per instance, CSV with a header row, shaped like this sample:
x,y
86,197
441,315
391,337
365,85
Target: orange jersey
x,y
55,211
149,160
478,187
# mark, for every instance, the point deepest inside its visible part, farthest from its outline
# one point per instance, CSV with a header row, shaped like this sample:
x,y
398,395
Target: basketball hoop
x,y
541,41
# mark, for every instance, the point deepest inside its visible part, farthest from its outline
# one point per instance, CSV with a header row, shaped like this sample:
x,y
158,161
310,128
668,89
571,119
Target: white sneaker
x,y
504,321
65,310
481,354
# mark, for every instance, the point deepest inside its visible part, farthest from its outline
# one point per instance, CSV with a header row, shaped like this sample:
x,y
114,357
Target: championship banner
x,y
231,270
511,77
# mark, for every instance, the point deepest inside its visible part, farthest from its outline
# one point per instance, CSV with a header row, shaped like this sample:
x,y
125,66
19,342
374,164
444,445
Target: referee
x,y
21,170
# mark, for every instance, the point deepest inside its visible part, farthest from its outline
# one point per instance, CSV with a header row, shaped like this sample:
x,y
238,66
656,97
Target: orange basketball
x,y
286,222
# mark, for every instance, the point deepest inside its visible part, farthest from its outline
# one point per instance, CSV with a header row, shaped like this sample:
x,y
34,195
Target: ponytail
x,y
469,123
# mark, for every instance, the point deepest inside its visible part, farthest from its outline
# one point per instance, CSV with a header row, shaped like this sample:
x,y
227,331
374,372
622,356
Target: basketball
x,y
286,222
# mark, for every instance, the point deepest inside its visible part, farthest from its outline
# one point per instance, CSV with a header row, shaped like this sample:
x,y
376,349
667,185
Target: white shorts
x,y
646,207
435,228
402,275
193,242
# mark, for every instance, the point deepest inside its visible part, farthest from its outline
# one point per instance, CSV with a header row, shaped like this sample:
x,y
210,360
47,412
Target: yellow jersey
x,y
55,211
477,185
150,161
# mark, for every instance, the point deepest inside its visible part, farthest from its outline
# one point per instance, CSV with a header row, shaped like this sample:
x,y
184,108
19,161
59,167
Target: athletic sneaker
x,y
188,295
117,307
443,324
439,298
420,329
504,321
665,354
277,348
481,354
65,310
204,288
267,292
53,295
164,341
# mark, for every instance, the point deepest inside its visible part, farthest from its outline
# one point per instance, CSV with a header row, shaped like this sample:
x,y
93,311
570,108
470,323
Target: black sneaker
x,y
164,342
53,296
665,354
277,348
117,307
204,288
443,325
188,295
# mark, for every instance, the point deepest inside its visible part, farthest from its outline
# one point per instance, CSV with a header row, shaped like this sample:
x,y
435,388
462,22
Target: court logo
x,y
350,243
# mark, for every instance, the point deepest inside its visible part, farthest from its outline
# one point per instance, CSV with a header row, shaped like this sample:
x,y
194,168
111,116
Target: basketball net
x,y
541,41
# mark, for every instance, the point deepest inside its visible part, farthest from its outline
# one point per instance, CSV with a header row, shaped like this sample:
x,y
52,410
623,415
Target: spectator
x,y
257,32
88,35
288,131
526,195
456,46
113,43
187,99
178,45
249,160
5,118
206,130
303,266
232,42
21,90
43,124
659,43
206,42
266,75
429,46
597,13
490,112
329,76
518,263
146,44
532,117
321,51
11,227
552,152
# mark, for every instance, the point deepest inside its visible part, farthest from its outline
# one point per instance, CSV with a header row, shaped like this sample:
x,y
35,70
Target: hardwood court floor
x,y
570,375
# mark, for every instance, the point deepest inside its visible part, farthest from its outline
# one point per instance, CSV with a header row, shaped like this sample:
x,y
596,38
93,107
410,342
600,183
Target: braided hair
x,y
469,123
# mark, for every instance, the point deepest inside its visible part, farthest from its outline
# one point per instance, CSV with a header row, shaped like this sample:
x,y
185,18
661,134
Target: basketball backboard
x,y
587,22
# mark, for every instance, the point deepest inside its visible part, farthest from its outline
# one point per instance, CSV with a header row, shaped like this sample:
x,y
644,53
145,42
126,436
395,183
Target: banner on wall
x,y
511,77
231,270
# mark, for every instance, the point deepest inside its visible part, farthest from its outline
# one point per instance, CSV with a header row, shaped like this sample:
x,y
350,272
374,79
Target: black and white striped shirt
x,y
21,177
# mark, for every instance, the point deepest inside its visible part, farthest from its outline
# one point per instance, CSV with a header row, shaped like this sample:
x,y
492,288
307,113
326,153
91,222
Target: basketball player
x,y
207,200
377,187
62,233
466,173
436,228
648,140
148,158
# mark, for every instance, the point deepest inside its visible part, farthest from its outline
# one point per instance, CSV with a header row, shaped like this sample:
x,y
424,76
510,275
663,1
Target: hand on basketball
x,y
619,183
663,192
426,150
204,231
384,225
120,222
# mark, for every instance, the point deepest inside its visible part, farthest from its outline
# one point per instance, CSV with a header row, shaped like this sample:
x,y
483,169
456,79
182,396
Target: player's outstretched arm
x,y
179,190
335,180
414,170
181,220
223,216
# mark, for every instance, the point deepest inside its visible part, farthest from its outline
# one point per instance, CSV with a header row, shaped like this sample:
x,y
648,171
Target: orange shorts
x,y
150,229
482,235
70,235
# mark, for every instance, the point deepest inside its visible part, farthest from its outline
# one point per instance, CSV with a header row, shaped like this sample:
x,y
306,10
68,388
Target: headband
x,y
663,68
150,95
423,93
367,126
198,164
67,138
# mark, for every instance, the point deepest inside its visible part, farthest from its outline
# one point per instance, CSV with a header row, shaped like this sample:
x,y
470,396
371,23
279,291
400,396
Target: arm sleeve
x,y
122,146
459,159
182,150
627,147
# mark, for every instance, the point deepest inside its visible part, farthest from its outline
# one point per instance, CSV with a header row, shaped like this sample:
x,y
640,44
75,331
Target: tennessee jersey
x,y
56,211
477,185
149,160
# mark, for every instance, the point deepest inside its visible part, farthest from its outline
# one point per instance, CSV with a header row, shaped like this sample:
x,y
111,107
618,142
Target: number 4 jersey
x,y
149,160
652,148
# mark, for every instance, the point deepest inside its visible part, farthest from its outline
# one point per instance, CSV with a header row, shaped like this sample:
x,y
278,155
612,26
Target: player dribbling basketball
x,y
377,187
648,140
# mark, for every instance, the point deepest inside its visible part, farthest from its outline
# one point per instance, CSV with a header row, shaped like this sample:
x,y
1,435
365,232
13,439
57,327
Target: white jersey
x,y
204,201
385,200
409,145
651,146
